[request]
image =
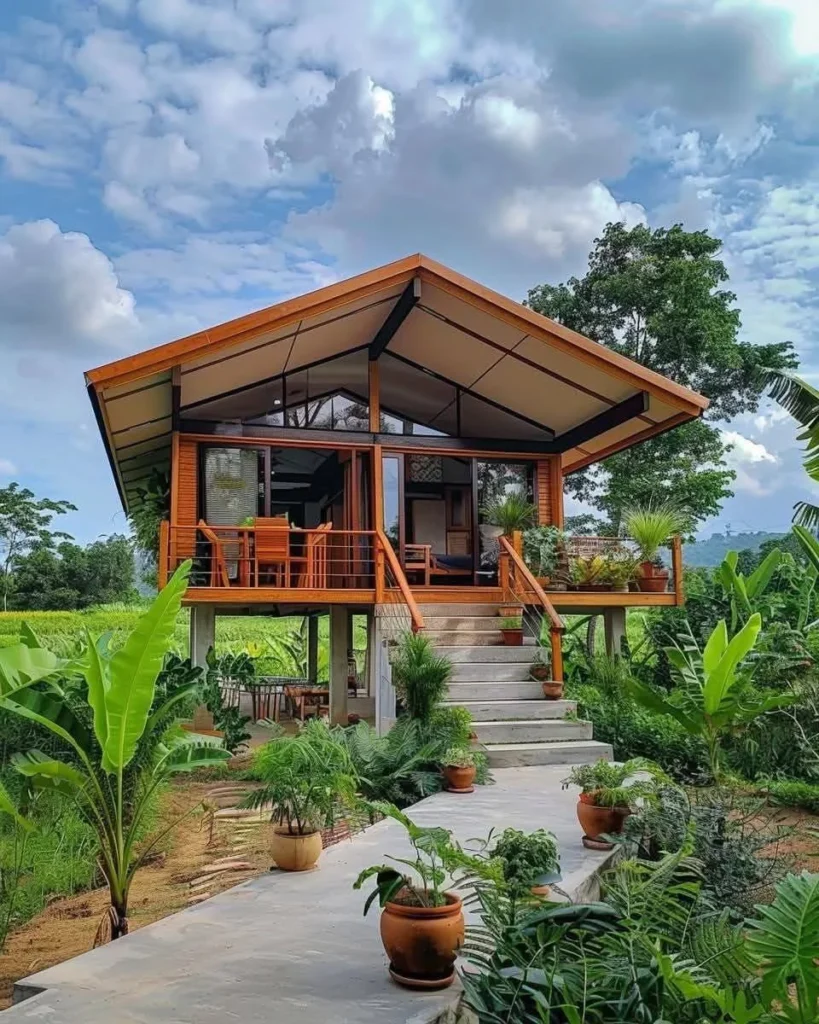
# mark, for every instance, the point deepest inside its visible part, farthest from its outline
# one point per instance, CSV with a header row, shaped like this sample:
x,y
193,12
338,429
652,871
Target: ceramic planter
x,y
459,780
552,690
597,821
651,579
512,637
541,673
295,852
422,942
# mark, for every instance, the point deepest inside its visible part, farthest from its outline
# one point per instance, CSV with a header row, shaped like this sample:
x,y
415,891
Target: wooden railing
x,y
391,586
270,557
521,588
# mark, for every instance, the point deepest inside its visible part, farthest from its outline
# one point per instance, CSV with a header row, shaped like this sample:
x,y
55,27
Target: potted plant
x,y
651,526
530,862
543,551
459,766
308,780
607,794
589,573
422,921
620,569
510,512
512,631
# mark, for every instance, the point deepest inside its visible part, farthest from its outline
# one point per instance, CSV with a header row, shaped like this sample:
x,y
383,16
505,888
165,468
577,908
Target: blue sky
x,y
168,164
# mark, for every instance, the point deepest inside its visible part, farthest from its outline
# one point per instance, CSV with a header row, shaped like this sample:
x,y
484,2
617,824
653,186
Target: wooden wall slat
x,y
549,492
186,486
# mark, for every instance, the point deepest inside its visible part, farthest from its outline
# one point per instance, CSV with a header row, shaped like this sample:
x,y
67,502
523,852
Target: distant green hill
x,y
712,551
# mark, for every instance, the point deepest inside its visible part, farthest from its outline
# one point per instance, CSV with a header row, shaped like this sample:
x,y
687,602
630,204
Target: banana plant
x,y
712,695
128,751
746,593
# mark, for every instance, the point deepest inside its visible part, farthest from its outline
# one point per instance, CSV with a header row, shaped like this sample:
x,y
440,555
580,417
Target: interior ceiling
x,y
520,376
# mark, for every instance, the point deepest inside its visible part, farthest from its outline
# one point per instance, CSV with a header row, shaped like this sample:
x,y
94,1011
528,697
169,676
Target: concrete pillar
x,y
615,623
312,649
339,618
372,654
203,633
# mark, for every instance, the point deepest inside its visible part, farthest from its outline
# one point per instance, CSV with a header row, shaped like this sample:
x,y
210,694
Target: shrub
x,y
420,675
792,794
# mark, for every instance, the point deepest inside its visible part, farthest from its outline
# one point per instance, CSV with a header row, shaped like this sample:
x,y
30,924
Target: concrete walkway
x,y
295,948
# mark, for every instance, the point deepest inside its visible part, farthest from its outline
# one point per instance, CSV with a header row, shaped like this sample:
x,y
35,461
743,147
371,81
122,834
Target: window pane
x,y
392,499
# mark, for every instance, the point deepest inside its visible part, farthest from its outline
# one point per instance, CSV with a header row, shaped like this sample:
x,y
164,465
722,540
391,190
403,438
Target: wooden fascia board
x,y
213,339
560,337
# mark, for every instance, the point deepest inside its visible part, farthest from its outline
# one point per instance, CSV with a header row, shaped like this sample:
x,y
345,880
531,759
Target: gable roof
x,y
589,400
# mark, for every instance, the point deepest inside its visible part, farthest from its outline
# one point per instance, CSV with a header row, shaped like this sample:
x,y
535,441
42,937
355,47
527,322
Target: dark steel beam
x,y
397,315
628,409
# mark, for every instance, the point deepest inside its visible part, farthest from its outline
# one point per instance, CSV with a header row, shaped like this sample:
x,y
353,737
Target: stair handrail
x,y
416,618
556,624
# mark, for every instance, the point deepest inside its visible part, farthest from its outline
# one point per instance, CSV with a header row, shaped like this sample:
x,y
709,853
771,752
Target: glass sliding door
x,y
494,479
232,495
393,498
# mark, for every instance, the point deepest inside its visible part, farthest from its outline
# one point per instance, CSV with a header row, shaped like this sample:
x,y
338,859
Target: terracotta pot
x,y
459,780
512,637
552,690
353,718
422,942
596,821
542,890
653,584
541,673
295,852
509,611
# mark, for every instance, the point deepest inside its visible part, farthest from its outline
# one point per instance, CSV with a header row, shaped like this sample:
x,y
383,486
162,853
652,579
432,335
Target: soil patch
x,y
67,926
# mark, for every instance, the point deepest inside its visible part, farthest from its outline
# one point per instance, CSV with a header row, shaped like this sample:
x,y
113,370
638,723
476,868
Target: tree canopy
x,y
660,298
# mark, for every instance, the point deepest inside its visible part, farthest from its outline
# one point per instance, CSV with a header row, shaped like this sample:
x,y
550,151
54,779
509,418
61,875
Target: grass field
x,y
234,633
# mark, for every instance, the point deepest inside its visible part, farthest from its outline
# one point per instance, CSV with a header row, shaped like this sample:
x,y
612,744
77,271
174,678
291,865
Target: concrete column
x,y
372,655
615,623
312,649
203,633
339,618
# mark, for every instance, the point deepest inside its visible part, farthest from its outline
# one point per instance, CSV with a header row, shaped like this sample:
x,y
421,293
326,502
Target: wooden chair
x,y
418,558
272,550
314,572
219,576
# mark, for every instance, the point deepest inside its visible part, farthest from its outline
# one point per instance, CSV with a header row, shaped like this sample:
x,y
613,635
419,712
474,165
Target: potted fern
x,y
608,793
652,526
530,862
308,780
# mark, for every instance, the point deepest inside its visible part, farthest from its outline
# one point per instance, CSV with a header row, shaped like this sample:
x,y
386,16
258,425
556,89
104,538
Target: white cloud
x,y
746,458
7,467
57,291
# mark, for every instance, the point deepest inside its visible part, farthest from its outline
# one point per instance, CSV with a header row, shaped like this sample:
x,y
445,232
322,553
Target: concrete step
x,y
532,731
460,693
514,710
486,672
469,623
518,755
486,655
465,638
468,610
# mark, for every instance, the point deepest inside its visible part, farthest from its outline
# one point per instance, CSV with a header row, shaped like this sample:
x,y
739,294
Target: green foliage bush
x,y
792,793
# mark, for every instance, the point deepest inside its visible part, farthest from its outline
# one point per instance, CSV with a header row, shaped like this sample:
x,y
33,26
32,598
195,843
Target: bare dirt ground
x,y
67,926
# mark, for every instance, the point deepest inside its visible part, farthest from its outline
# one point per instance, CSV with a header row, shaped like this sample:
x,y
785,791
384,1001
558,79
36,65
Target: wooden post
x,y
339,615
375,398
557,655
164,554
379,571
677,569
312,649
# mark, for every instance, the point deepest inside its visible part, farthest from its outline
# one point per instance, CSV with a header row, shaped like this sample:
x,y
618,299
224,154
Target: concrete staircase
x,y
513,722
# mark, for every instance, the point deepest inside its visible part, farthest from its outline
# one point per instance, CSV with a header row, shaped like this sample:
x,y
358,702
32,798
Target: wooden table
x,y
306,697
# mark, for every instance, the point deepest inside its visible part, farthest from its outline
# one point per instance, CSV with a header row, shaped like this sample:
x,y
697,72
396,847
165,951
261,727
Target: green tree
x,y
71,576
659,297
122,745
25,521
